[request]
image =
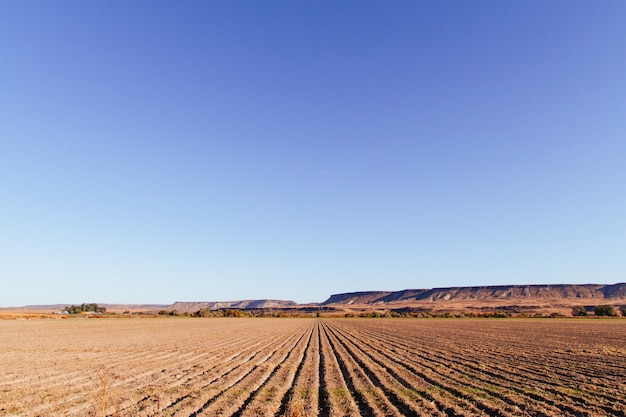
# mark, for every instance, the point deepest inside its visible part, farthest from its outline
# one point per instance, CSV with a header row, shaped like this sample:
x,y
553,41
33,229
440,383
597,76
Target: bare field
x,y
312,367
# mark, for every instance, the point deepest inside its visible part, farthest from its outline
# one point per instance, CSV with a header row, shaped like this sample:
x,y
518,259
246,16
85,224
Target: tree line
x,y
85,307
601,310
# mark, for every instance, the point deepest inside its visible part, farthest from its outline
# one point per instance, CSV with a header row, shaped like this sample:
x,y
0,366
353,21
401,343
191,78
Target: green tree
x,y
604,310
578,311
84,307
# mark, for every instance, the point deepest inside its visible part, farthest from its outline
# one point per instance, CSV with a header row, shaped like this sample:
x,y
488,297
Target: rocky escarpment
x,y
183,306
485,293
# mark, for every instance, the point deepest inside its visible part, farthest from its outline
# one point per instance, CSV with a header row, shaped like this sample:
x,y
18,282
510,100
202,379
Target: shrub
x,y
84,307
203,312
605,310
578,311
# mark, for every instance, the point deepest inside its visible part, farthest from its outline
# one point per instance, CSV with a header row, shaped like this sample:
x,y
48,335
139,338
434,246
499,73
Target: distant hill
x,y
111,308
508,293
189,307
528,299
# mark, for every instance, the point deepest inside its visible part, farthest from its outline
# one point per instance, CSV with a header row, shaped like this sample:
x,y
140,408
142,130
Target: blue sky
x,y
153,152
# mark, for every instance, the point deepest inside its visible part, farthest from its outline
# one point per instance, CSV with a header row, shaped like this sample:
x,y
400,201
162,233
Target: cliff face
x,y
183,306
485,293
362,297
615,291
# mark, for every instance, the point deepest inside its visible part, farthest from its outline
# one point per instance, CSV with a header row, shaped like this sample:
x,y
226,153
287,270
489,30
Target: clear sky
x,y
158,151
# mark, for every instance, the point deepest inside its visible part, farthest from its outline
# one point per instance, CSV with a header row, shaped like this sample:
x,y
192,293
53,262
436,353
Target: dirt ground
x,y
312,367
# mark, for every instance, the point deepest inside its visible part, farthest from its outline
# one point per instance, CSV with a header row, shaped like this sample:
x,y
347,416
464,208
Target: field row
x,y
309,367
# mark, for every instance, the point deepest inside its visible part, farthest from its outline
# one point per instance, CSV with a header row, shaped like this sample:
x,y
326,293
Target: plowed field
x,y
312,367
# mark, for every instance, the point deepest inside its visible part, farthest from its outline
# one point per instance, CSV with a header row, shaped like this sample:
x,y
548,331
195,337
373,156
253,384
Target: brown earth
x,y
313,367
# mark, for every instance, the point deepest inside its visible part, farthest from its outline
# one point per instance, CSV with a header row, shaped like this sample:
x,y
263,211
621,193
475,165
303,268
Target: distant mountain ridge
x,y
187,307
483,293
107,306
524,298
